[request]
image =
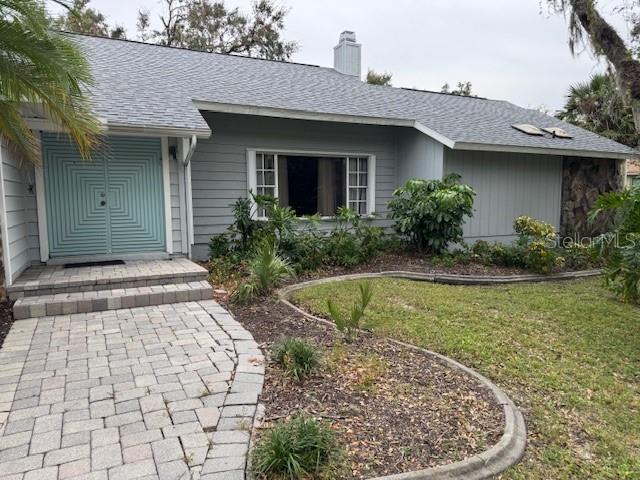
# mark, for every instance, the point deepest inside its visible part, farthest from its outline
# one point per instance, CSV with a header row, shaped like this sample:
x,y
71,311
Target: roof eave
x,y
110,128
568,152
243,109
156,131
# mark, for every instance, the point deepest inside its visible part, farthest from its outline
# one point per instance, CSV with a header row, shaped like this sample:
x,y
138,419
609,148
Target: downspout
x,y
192,148
188,191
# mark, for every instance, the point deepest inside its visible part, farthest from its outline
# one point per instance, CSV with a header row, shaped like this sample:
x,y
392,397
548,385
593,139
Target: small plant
x,y
349,325
298,358
581,256
219,246
430,213
267,269
244,225
301,447
536,241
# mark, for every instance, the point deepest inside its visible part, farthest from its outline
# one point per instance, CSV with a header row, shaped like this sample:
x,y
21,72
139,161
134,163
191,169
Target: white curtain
x,y
326,186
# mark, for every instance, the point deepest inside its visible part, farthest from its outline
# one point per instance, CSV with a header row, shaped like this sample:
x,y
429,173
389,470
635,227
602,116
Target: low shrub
x,y
302,447
351,241
301,243
620,248
297,357
430,213
267,270
537,244
226,272
580,256
349,325
623,275
219,246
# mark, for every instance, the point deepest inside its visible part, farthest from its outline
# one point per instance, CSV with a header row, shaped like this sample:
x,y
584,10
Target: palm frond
x,y
45,69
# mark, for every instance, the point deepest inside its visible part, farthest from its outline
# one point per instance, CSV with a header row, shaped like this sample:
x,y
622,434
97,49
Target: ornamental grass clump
x,y
267,270
297,357
302,447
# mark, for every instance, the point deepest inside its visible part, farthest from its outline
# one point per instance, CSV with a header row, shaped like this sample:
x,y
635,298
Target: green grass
x,y
566,352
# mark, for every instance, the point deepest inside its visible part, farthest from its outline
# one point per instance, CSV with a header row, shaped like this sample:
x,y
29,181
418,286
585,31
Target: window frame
x,y
371,173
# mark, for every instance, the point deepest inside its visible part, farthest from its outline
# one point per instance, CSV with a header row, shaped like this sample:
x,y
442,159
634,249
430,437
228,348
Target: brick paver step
x,y
50,280
114,299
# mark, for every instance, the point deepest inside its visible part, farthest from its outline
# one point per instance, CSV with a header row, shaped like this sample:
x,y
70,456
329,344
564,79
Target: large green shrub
x,y
430,213
620,248
300,448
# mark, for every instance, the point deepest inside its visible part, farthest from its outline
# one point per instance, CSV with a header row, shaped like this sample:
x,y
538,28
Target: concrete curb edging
x,y
509,450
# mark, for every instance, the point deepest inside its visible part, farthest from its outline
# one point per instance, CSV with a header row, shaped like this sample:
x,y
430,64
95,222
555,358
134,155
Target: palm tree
x,y
43,69
597,105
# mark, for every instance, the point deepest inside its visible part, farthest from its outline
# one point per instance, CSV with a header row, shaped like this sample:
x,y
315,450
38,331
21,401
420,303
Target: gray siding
x,y
219,165
507,185
22,220
419,156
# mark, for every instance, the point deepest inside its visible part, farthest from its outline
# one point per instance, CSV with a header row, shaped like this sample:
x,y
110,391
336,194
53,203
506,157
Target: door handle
x,y
103,203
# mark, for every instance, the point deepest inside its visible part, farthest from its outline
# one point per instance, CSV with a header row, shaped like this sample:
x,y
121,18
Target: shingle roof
x,y
149,85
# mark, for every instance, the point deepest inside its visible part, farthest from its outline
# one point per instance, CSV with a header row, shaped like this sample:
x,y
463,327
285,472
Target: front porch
x,y
130,201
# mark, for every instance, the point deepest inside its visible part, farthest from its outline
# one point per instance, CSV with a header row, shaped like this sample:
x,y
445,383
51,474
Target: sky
x,y
514,50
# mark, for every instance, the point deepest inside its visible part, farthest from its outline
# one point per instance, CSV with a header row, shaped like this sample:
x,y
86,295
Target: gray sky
x,y
509,49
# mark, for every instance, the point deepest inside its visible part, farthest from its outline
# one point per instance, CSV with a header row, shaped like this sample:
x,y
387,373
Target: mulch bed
x,y
395,409
413,262
6,318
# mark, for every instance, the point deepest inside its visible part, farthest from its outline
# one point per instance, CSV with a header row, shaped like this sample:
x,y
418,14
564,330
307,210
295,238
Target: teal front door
x,y
111,204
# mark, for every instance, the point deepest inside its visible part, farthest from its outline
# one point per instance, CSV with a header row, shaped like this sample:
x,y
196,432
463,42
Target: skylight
x,y
557,132
528,129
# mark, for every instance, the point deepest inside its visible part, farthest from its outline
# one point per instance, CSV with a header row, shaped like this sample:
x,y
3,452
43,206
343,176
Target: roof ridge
x,y
422,90
233,55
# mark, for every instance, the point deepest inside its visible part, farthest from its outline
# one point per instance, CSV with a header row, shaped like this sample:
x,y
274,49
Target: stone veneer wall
x,y
583,180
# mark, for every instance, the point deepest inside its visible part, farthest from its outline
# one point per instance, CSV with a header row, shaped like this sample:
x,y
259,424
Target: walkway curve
x,y
164,392
509,450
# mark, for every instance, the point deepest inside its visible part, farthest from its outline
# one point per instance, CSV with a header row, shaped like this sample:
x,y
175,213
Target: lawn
x,y
567,353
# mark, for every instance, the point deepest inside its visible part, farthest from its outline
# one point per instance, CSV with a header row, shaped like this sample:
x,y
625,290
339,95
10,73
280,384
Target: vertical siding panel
x,y
507,185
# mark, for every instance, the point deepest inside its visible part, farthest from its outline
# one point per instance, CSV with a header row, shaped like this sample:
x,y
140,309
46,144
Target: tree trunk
x,y
635,108
606,40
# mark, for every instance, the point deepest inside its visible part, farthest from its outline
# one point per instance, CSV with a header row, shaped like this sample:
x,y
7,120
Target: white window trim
x,y
371,173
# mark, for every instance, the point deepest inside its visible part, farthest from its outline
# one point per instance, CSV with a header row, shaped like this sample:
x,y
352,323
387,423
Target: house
x,y
189,132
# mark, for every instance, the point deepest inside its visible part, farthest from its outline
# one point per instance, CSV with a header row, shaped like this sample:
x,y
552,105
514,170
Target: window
x,y
358,184
266,175
310,183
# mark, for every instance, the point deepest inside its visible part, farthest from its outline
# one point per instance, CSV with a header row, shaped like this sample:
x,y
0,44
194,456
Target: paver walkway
x,y
167,391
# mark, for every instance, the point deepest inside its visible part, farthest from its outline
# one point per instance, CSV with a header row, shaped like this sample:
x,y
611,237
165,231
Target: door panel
x,y
136,199
111,204
77,222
